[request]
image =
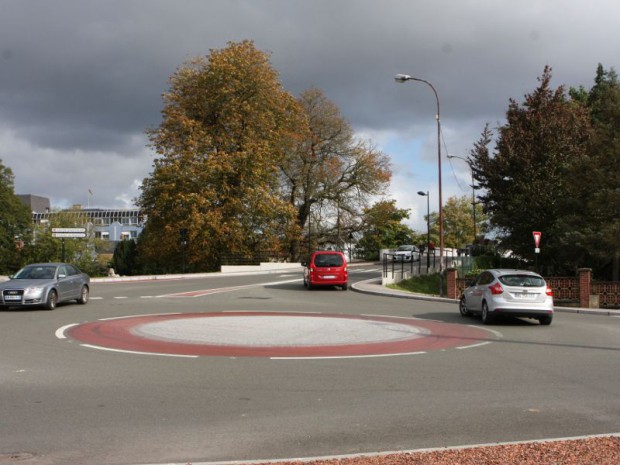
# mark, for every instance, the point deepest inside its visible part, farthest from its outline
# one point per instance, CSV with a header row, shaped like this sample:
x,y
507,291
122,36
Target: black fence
x,y
428,263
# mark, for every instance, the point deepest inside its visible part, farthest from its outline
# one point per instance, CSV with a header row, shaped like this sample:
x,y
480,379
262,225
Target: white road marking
x,y
60,332
134,316
136,352
474,345
337,357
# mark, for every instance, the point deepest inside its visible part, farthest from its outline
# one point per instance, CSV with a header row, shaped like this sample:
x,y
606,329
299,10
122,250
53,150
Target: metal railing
x,y
427,264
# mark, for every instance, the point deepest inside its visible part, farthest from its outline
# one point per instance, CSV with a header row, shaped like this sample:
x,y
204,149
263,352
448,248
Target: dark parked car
x,y
46,285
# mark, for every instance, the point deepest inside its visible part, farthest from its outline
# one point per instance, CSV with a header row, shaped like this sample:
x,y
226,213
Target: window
x,y
327,260
484,278
522,280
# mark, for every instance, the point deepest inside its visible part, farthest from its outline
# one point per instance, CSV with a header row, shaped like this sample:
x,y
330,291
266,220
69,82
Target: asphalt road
x,y
62,402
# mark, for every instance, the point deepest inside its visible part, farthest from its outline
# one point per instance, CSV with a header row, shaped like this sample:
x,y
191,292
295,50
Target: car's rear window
x,y
522,280
326,260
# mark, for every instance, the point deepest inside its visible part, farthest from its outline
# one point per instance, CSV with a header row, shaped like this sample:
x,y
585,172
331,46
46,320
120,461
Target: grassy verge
x,y
424,284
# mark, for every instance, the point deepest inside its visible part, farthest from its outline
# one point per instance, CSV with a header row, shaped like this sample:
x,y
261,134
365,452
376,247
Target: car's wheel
x,y
463,307
487,317
309,286
52,300
84,295
546,320
345,286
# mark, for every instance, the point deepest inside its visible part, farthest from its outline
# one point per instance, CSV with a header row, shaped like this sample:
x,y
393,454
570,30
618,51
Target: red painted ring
x,y
123,334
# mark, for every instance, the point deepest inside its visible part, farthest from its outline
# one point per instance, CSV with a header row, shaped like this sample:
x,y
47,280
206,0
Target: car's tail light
x,y
549,291
496,289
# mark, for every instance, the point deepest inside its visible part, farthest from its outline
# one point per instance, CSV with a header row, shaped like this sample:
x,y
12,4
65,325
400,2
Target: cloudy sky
x,y
81,80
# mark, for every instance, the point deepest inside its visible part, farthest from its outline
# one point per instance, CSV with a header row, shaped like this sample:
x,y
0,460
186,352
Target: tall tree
x,y
593,220
525,179
383,229
330,167
15,222
227,124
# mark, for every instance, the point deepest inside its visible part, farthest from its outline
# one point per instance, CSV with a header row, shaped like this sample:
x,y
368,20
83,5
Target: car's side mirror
x,y
304,263
62,276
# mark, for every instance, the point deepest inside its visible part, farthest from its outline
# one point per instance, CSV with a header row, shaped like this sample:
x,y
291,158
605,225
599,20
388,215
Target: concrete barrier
x,y
263,267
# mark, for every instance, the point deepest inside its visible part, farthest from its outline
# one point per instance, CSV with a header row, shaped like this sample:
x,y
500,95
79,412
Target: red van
x,y
326,268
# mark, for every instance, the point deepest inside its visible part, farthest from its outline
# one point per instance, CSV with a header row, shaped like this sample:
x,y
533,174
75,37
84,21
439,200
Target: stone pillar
x,y
584,276
451,275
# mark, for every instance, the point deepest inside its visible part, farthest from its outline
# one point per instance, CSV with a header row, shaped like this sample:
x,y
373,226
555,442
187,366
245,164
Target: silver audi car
x,y
46,285
517,293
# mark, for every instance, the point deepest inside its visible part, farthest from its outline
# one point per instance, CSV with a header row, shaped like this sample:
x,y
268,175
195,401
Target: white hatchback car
x,y
406,253
508,292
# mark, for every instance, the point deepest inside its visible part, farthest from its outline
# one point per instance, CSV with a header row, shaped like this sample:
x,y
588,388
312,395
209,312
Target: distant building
x,y
36,203
111,225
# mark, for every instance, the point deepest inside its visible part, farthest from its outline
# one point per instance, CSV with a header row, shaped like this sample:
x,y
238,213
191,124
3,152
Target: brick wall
x,y
579,290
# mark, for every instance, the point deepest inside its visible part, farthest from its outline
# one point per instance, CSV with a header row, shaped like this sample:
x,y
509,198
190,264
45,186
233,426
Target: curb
x,y
373,286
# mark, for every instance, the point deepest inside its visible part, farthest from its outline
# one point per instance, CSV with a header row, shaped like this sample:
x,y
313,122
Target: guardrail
x,y
395,269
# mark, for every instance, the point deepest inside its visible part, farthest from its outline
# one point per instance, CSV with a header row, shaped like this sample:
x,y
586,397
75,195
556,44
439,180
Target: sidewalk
x,y
374,286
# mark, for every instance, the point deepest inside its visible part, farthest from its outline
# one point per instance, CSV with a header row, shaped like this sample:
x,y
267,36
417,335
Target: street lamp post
x,y
473,191
428,228
404,78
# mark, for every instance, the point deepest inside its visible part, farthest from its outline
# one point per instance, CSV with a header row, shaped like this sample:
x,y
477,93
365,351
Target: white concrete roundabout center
x,y
273,335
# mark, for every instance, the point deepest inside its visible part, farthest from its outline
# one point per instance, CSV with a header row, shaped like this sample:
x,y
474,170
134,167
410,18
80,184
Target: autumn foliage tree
x,y
241,162
458,222
227,126
329,173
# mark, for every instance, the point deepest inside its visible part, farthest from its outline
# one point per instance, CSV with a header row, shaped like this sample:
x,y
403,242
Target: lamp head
x,y
402,77
423,194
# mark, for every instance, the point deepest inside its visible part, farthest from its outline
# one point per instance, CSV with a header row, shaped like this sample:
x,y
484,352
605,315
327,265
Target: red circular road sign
x,y
274,334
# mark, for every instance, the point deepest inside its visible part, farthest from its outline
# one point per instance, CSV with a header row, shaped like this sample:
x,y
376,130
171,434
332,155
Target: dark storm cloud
x,y
85,77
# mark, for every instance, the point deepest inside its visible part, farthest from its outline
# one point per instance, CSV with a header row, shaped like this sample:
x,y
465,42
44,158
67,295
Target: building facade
x,y
108,225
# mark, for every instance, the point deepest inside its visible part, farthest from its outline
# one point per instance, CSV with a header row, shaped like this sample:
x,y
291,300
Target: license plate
x,y
525,296
12,297
329,276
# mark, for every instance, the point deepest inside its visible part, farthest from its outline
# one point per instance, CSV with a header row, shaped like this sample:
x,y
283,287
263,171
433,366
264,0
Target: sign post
x,y
63,233
537,235
68,232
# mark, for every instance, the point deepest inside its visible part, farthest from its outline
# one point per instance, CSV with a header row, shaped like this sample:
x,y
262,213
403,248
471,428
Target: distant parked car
x,y
406,253
326,268
46,285
499,292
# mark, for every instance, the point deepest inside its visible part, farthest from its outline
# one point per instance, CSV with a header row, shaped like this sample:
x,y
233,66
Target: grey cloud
x,y
85,76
